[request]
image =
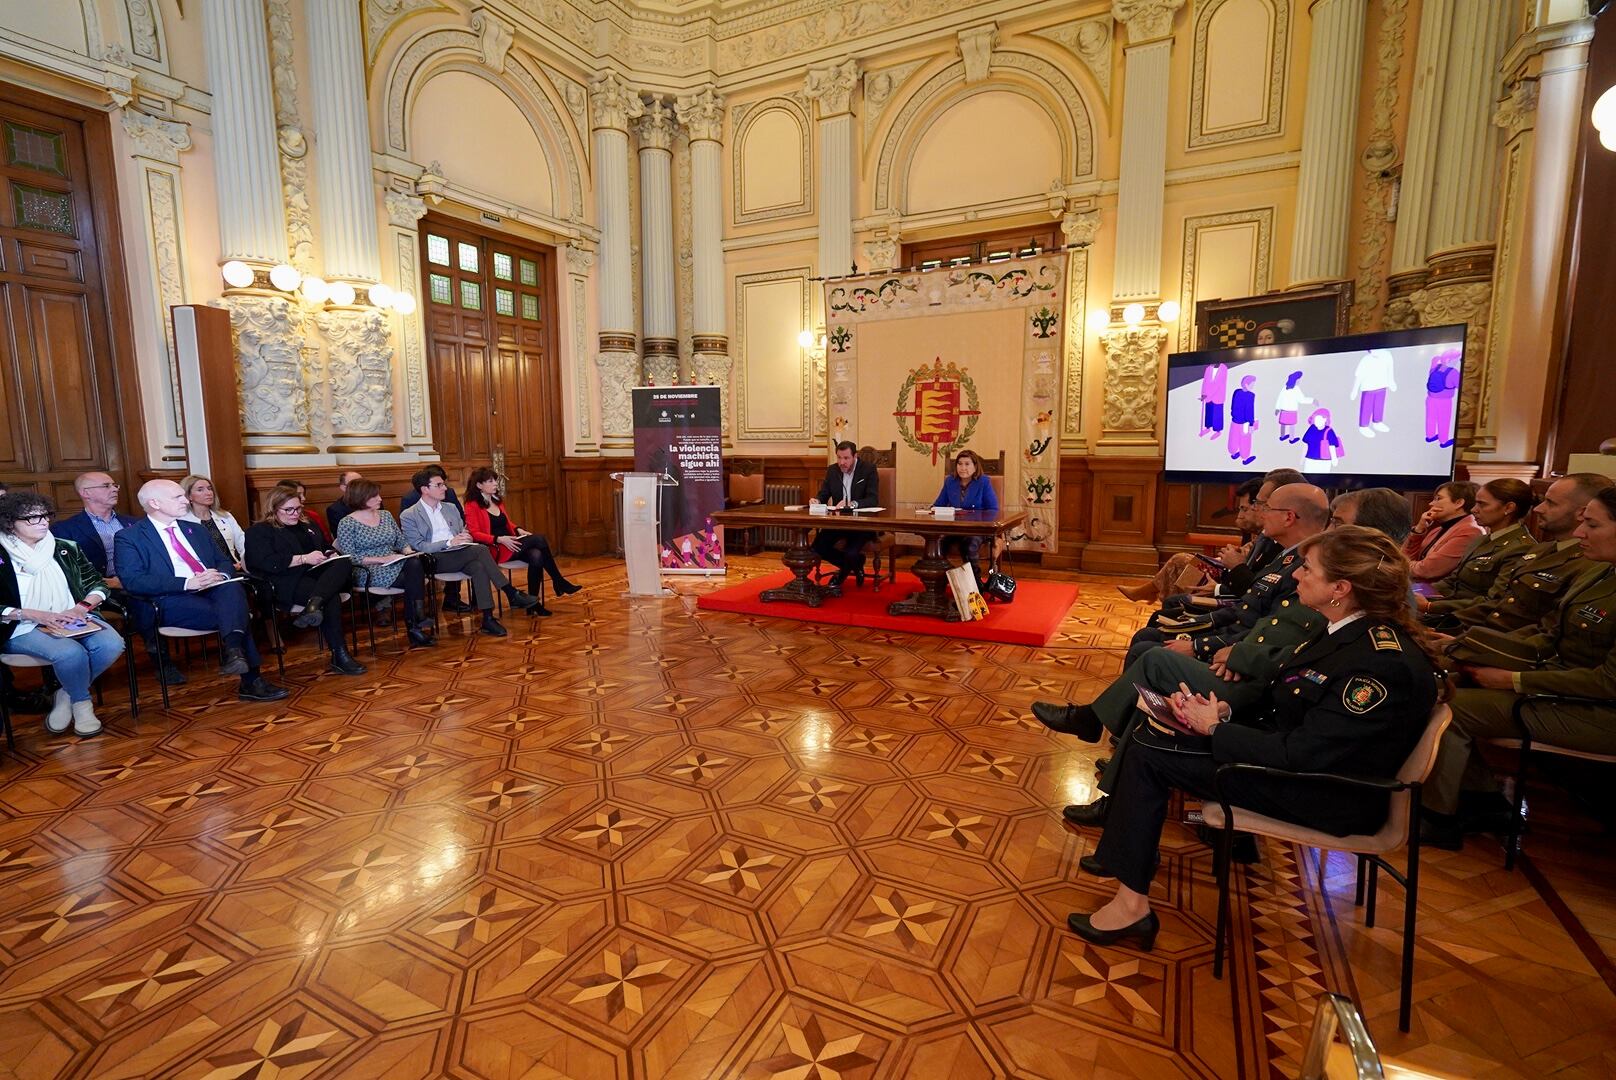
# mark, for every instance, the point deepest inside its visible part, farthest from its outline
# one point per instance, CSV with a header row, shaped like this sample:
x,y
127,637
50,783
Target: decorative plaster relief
x,y
494,37
657,127
879,89
1201,76
619,374
1518,111
160,140
715,369
613,104
1374,229
831,87
1090,39
702,114
163,221
143,30
573,92
1145,20
406,245
1132,357
1261,270
268,332
1077,285
1465,303
382,15
360,371
976,49
290,140
1080,227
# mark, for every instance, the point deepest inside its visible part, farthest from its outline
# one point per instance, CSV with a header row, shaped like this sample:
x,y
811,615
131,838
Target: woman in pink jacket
x,y
1444,532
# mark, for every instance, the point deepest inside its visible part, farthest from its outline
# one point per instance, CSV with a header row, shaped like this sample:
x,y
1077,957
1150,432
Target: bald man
x,y
176,566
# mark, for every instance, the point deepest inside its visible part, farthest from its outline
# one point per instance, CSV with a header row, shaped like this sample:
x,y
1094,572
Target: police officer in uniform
x,y
1572,652
1290,515
1521,598
1353,699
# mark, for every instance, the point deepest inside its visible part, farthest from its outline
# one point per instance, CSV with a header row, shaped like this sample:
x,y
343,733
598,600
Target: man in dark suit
x,y
339,509
849,483
177,566
94,531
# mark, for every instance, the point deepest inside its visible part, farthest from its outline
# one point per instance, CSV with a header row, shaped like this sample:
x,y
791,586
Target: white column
x,y
1464,212
661,331
412,410
831,88
1142,178
252,218
702,114
347,202
1329,129
1419,144
613,105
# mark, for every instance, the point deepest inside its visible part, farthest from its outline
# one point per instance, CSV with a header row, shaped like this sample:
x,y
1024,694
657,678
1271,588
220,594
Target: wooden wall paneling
x,y
1076,491
589,497
210,400
1122,515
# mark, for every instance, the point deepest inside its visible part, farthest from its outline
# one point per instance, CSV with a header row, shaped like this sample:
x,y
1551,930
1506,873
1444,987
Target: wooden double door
x,y
65,405
495,382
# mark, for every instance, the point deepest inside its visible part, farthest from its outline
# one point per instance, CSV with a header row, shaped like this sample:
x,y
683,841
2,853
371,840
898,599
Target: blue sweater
x,y
978,495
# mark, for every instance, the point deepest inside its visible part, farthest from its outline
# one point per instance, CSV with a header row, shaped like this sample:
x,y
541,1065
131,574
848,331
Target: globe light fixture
x,y
1133,314
315,290
284,277
380,295
237,274
805,339
1168,311
404,303
1604,112
1099,320
342,293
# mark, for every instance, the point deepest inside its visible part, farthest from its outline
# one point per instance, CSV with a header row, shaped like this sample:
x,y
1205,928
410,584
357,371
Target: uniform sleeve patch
x,y
1361,694
1385,637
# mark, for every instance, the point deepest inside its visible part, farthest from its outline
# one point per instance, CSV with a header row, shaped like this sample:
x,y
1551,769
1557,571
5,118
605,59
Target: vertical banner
x,y
678,432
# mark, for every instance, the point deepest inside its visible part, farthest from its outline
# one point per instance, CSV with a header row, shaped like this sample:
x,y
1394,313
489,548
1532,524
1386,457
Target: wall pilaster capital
x,y
494,38
403,209
612,104
976,48
1080,226
657,126
160,140
1145,20
580,258
702,114
1518,111
831,87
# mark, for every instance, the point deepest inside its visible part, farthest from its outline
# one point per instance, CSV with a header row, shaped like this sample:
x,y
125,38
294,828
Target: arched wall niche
x,y
464,119
1237,78
992,143
433,51
74,25
1022,73
772,160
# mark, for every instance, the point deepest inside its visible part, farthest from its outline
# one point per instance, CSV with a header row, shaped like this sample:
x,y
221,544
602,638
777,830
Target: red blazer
x,y
481,528
1432,557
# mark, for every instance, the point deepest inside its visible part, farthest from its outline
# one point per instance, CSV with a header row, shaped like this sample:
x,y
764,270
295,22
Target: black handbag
x,y
999,586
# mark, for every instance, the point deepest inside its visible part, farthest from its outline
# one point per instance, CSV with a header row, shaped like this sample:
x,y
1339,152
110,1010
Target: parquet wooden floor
x,y
635,840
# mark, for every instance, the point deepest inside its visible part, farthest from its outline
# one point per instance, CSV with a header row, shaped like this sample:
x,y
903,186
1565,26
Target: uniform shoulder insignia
x,y
1287,560
1529,555
1362,694
1385,637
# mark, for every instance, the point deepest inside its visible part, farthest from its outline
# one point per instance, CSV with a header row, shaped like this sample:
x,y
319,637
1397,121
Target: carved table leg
x,y
799,559
934,600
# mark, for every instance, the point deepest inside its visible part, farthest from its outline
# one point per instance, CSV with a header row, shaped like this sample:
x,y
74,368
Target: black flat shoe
x,y
522,600
259,690
492,627
343,664
459,607
234,663
421,640
1089,815
540,610
310,616
1091,866
1145,931
565,587
1069,719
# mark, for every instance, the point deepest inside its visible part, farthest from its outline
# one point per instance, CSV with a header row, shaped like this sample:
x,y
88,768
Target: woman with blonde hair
x,y
1354,699
206,512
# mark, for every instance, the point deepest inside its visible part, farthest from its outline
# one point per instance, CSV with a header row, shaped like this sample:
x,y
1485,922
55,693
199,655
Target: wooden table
x,y
931,568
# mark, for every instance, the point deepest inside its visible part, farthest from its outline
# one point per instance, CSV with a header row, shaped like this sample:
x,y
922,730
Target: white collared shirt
x,y
181,571
440,525
847,484
1339,623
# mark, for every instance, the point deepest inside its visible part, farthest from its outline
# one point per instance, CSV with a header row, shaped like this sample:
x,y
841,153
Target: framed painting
x,y
1274,318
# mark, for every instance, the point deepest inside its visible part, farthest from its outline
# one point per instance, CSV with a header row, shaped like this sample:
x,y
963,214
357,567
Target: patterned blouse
x,y
356,538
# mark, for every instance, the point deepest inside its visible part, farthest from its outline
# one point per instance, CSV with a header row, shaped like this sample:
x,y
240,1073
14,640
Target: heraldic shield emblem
x,y
937,409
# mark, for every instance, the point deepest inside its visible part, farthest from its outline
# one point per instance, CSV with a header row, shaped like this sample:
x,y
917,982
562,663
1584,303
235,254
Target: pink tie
x,y
185,556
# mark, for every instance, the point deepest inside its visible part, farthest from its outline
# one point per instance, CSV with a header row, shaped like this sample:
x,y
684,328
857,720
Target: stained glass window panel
x,y
441,292
471,296
530,307
437,249
505,302
502,266
32,148
530,272
36,208
468,257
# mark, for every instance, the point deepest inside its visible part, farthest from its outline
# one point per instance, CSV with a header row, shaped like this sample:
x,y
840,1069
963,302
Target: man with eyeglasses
x,y
177,564
95,531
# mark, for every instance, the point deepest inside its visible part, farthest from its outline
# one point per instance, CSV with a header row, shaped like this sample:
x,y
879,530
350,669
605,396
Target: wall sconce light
x,y
1168,311
1604,118
379,295
1099,320
285,277
404,303
342,294
237,274
1133,314
315,290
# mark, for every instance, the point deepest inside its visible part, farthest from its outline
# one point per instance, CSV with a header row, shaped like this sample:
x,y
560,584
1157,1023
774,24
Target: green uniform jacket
x,y
1493,557
1582,635
1260,654
1523,596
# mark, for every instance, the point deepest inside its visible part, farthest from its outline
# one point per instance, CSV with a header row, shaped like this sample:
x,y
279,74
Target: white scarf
x,y
41,584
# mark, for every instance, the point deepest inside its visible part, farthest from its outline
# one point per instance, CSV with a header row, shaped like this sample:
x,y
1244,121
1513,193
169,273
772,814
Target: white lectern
x,y
640,540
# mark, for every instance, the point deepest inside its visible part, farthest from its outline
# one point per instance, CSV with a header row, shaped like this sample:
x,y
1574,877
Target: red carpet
x,y
1039,609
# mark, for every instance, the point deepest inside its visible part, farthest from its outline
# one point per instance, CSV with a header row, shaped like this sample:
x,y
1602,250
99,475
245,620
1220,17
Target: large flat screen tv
x,y
1369,410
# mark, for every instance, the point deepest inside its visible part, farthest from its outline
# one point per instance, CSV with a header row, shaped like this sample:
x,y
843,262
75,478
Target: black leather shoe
x,y
256,689
563,587
1069,719
492,627
838,581
1089,814
459,607
310,616
1091,866
521,599
540,610
234,663
421,639
1144,931
343,664
172,675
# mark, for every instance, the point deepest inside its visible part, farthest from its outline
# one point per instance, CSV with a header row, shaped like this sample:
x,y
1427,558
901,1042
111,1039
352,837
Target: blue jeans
x,y
78,662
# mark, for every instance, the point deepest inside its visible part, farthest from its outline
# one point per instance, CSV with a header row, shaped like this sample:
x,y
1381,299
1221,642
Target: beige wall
x,y
1035,136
